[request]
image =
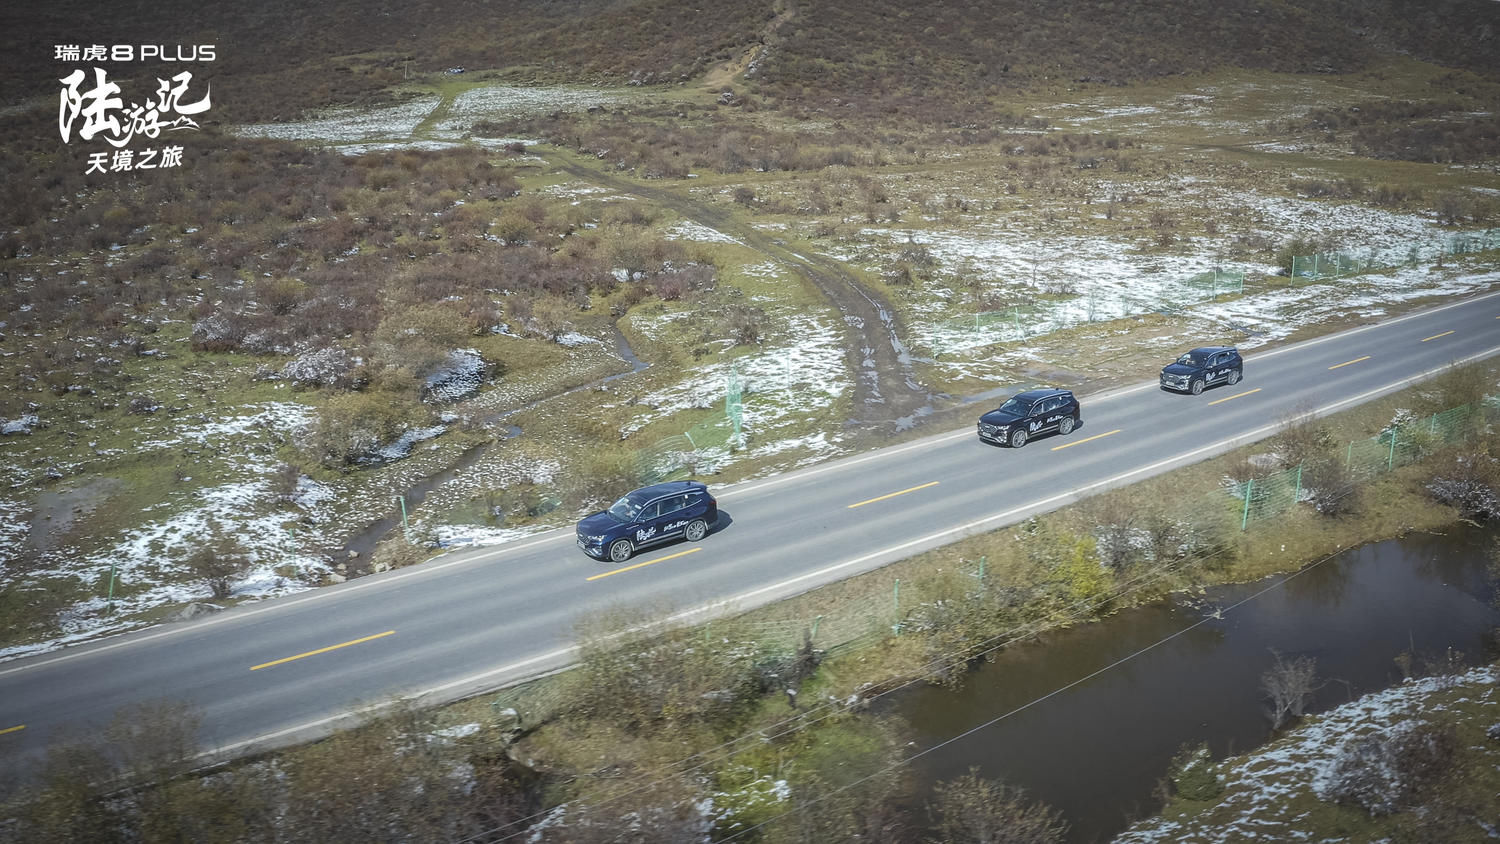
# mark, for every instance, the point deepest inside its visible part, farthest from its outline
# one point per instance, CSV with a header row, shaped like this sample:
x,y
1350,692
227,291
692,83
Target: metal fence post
x,y
816,622
896,602
983,558
112,568
1245,519
405,526
1297,496
1390,461
1349,454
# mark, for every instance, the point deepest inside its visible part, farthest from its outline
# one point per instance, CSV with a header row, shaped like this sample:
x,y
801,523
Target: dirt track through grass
x,y
887,393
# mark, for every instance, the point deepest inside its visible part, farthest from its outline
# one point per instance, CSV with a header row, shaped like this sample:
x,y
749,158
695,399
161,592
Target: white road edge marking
x,y
740,601
560,534
756,486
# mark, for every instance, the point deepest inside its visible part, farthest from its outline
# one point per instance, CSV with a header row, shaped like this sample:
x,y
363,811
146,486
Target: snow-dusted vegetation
x,y
1347,755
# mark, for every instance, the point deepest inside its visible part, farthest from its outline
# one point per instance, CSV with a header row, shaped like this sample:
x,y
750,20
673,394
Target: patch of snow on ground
x,y
1260,787
460,731
1278,313
154,555
310,493
404,443
477,104
689,230
569,190
573,339
273,416
466,536
461,374
389,146
798,376
1105,279
349,124
765,269
15,526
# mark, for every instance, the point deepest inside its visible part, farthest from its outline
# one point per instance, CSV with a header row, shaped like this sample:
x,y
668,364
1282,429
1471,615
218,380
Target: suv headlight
x,y
595,540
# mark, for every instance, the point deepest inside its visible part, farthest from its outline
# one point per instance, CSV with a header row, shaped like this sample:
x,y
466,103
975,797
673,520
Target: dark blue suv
x,y
1025,415
648,516
1203,368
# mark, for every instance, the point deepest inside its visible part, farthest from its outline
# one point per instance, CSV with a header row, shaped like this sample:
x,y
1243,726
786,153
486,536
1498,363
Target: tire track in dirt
x,y
888,396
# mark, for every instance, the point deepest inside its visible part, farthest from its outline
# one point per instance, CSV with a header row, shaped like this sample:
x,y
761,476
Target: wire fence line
x,y
868,620
1335,264
701,449
856,623
853,624
1405,441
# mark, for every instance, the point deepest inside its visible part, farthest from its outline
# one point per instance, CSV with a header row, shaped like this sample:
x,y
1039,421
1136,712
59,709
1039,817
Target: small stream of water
x,y
1096,750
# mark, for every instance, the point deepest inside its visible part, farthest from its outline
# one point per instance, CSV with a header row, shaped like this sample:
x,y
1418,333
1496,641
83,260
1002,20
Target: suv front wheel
x,y
620,550
1018,438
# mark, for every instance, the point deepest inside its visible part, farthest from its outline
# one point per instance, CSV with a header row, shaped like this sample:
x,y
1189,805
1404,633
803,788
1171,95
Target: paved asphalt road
x,y
477,619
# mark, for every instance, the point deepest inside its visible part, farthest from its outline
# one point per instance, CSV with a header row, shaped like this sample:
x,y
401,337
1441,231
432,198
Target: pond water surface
x,y
1095,750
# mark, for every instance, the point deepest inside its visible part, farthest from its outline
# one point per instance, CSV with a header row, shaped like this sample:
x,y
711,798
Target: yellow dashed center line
x,y
1435,336
646,563
892,495
14,729
1347,362
1235,396
1086,439
321,650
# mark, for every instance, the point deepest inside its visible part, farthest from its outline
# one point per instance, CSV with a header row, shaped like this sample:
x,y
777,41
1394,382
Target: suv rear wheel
x,y
1065,427
696,530
1234,377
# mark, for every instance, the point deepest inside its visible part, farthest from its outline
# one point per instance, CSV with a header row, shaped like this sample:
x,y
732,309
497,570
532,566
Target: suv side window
x,y
649,512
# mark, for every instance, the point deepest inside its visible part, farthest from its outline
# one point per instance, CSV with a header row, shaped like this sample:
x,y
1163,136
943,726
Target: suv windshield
x,y
624,510
1015,407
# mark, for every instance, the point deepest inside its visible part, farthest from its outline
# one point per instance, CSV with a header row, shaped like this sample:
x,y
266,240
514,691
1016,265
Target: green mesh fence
x,y
1323,265
1269,496
1368,458
1333,265
701,449
1403,443
1452,425
668,459
1216,282
850,624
